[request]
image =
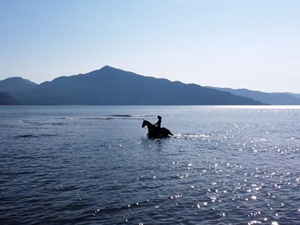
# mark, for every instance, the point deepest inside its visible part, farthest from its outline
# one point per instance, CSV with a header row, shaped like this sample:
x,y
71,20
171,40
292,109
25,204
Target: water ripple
x,y
224,166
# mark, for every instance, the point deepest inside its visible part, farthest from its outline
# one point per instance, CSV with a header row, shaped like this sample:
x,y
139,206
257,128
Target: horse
x,y
155,132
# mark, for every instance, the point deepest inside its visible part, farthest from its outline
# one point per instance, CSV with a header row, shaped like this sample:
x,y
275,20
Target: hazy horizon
x,y
236,44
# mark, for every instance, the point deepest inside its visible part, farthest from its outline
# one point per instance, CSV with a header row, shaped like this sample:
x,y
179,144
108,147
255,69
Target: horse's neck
x,y
148,124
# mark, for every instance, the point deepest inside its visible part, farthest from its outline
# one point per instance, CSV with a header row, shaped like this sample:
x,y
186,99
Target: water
x,y
95,165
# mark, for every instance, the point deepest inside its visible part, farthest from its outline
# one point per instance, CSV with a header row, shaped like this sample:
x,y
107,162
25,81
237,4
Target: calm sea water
x,y
95,165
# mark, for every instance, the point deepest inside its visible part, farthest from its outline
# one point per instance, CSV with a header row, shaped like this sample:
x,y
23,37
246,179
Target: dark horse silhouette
x,y
156,132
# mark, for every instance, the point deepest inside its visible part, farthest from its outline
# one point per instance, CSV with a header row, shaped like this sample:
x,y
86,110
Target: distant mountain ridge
x,y
17,84
14,85
111,86
268,98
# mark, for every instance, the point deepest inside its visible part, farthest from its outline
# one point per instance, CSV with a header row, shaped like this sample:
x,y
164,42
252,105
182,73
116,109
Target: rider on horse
x,y
158,123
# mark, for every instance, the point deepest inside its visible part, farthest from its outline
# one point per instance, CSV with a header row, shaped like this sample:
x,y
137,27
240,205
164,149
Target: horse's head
x,y
148,124
144,123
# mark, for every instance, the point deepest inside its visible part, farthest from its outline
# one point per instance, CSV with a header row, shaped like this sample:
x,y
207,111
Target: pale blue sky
x,y
251,44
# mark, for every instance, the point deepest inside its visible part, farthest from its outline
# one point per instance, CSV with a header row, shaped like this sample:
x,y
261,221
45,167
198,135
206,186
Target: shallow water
x,y
95,165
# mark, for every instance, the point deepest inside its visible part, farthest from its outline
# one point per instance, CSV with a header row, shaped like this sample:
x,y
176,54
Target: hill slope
x,y
7,99
268,98
295,95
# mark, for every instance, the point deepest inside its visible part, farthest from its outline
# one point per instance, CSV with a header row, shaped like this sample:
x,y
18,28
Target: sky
x,y
252,44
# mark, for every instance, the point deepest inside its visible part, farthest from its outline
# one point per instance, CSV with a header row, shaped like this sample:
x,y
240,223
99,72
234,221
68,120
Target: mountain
x,y
7,99
295,95
111,86
17,84
268,98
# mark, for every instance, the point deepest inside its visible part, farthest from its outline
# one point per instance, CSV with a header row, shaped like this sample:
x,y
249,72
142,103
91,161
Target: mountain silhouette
x,y
111,86
268,98
7,99
17,84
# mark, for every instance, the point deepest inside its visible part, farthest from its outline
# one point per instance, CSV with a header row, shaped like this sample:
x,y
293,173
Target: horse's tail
x,y
169,132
